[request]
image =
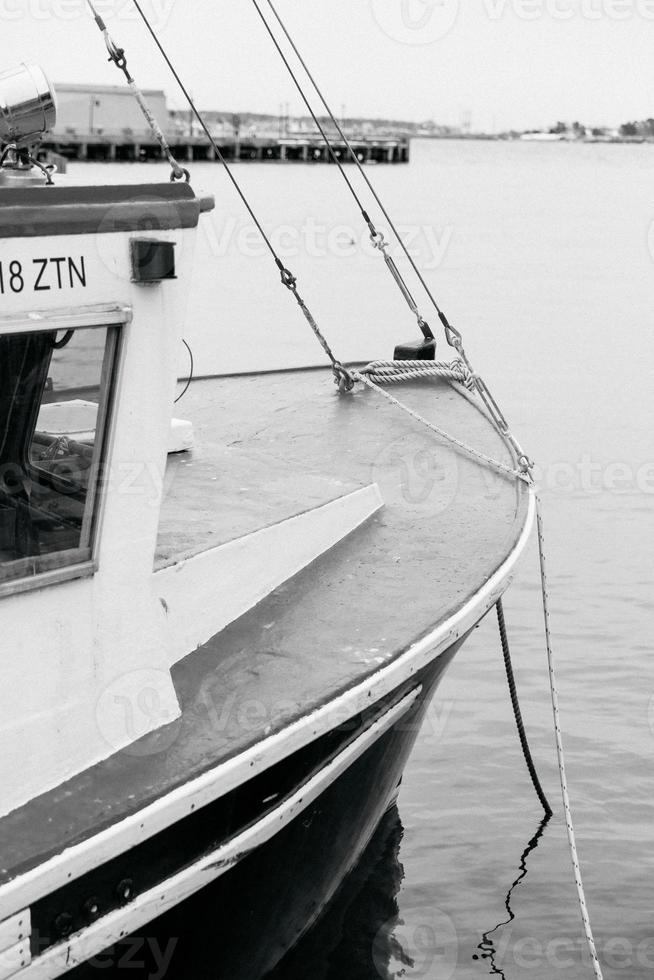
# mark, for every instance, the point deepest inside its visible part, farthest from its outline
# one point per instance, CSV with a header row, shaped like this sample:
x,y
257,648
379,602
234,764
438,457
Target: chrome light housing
x,y
28,107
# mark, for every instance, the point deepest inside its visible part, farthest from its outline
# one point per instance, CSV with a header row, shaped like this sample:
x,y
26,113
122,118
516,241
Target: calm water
x,y
541,255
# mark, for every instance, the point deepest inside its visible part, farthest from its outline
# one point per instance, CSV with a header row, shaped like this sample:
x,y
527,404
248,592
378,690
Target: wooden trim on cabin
x,y
38,211
69,318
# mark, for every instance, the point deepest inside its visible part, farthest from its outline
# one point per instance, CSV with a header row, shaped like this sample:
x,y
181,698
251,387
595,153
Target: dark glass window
x,y
54,395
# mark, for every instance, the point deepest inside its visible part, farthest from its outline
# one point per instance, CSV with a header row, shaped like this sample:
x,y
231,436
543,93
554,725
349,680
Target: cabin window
x,y
55,387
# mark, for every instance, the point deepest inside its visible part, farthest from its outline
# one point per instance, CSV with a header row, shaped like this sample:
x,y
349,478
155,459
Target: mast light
x,y
28,107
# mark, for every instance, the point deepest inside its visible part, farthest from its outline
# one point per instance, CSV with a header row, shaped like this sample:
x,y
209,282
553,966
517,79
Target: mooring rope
x,y
526,751
467,450
524,473
559,745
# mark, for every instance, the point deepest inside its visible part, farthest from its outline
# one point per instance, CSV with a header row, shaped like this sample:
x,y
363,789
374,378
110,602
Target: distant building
x,y
108,111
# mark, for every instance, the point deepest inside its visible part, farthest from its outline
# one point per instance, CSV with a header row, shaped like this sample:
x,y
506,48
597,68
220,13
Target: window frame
x,y
80,562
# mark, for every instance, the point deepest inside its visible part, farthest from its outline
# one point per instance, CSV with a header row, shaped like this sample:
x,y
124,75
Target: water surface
x,y
541,255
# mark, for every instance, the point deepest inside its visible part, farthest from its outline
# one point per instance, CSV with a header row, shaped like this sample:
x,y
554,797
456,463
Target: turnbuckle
x,y
288,279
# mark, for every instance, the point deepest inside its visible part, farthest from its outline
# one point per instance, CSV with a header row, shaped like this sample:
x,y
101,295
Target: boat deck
x,y
268,448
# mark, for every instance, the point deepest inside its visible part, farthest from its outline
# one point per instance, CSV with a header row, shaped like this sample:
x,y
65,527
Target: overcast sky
x,y
508,63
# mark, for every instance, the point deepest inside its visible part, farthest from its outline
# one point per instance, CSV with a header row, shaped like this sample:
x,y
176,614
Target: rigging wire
x,y
452,335
376,236
357,162
118,57
341,375
200,119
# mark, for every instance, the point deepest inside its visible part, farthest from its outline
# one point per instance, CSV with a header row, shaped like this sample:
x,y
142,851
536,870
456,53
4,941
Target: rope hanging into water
x,y
585,917
524,473
342,376
526,751
117,55
376,237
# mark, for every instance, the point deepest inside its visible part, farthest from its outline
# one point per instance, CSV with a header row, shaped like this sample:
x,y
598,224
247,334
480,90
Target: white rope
x,y
559,747
525,475
468,450
394,372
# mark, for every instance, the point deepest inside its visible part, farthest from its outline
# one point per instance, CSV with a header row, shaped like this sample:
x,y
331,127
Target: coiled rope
x,y
393,372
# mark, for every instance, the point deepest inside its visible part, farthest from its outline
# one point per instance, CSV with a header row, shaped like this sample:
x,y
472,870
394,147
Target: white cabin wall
x,y
85,668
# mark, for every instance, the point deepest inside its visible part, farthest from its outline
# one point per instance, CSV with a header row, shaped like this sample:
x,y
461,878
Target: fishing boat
x,y
222,633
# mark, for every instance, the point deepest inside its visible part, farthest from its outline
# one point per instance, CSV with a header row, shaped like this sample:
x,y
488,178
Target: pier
x,y
130,147
104,123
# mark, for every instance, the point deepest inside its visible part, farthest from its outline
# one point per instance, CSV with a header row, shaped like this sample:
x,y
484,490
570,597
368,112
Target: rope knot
x,y
342,378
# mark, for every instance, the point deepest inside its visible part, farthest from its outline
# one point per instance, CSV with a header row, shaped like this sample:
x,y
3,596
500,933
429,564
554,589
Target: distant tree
x,y
578,130
629,129
560,127
598,131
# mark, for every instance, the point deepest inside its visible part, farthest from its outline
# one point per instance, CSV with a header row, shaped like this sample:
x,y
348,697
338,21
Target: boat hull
x,y
266,899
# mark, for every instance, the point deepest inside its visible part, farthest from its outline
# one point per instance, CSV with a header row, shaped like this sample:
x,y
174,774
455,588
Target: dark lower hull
x,y
243,924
